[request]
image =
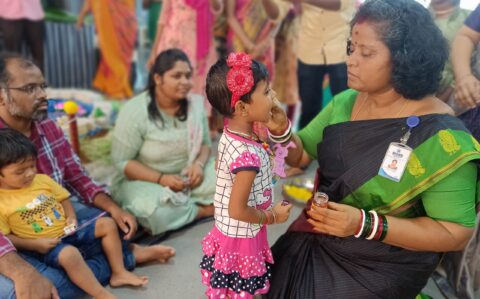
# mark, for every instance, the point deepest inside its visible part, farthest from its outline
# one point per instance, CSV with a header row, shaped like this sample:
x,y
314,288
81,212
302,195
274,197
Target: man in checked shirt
x,y
23,107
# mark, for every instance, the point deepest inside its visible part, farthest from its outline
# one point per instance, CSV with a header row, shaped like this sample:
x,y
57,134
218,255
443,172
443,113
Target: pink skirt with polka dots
x,y
236,267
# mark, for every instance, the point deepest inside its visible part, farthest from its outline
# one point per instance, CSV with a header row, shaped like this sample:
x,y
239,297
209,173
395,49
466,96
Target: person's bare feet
x,y
205,211
154,253
127,278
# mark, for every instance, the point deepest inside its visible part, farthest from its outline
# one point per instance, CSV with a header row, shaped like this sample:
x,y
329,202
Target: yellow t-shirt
x,y
34,212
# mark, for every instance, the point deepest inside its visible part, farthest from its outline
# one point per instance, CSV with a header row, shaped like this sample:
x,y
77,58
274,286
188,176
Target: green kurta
x,y
163,148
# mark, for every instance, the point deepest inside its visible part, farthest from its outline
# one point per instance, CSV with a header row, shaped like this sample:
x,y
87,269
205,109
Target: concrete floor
x,y
180,278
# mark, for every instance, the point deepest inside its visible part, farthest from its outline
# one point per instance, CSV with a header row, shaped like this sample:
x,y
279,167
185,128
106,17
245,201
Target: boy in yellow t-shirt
x,y
34,210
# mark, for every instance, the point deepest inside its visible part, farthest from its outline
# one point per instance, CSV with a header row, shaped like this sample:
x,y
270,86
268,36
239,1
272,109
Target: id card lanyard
x,y
398,153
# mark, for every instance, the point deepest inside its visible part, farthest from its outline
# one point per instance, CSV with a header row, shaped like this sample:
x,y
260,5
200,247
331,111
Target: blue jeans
x,y
81,239
96,261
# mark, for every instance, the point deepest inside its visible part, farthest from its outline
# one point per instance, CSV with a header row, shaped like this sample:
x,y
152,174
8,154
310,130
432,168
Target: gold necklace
x,y
365,100
250,136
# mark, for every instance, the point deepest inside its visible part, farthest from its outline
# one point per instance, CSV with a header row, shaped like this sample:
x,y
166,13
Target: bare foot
x,y
205,211
128,278
154,253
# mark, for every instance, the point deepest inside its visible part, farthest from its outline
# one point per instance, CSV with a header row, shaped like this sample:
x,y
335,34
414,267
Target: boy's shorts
x,y
80,239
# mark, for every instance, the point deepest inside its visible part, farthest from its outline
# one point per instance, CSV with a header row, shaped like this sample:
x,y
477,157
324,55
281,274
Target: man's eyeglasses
x,y
30,89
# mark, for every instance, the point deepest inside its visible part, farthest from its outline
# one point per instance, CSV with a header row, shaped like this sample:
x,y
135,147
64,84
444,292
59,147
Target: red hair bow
x,y
240,76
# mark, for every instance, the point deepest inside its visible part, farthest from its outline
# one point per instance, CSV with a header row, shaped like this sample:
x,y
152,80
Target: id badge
x,y
395,161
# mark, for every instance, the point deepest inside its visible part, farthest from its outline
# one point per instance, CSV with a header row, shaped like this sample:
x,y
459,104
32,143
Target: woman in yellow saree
x,y
116,27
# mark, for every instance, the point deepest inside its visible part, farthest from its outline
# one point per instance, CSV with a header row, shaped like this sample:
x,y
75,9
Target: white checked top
x,y
236,154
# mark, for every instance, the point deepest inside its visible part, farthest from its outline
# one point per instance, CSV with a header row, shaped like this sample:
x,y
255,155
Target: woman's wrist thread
x,y
159,180
199,163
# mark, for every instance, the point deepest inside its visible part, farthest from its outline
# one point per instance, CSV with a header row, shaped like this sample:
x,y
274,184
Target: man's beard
x,y
37,115
40,115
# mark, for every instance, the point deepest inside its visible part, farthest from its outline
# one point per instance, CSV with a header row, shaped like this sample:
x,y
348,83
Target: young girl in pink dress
x,y
237,256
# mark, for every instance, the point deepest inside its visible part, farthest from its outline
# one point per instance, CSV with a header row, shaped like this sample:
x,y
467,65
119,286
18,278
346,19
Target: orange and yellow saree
x,y
116,26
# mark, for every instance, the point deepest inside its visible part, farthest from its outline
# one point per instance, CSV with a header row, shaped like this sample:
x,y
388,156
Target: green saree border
x,y
434,159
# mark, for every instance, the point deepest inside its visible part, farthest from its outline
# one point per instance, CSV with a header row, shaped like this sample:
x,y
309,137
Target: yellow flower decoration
x,y
476,144
448,142
414,166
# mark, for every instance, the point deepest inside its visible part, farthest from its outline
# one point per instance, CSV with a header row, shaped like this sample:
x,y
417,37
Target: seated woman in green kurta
x,y
161,149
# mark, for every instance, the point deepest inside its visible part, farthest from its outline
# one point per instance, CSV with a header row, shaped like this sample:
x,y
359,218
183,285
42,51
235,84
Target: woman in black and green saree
x,y
396,56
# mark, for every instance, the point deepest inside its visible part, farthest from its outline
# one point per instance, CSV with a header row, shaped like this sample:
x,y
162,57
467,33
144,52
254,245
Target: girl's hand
x,y
337,219
282,212
278,121
262,47
259,49
44,245
194,173
172,181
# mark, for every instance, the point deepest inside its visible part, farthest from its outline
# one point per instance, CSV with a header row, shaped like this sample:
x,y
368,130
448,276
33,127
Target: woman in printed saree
x,y
383,232
161,148
251,31
116,25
